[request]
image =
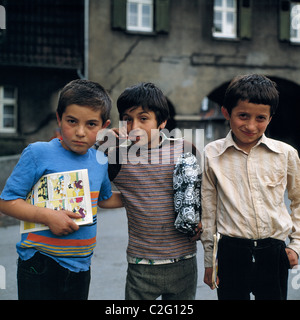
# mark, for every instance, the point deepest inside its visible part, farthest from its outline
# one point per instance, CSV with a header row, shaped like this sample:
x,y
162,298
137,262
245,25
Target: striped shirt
x,y
147,191
243,194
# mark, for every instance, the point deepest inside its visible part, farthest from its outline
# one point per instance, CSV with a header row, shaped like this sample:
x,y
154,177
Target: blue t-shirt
x,y
75,250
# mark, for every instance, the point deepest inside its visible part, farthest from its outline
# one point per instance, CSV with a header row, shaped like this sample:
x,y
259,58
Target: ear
x,y
225,113
58,119
270,119
162,125
106,124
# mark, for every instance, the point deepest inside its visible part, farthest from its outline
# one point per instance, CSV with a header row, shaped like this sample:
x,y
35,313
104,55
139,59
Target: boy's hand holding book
x,y
60,222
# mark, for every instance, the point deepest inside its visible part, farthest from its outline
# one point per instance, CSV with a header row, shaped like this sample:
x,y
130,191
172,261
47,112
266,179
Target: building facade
x,y
189,48
193,48
41,49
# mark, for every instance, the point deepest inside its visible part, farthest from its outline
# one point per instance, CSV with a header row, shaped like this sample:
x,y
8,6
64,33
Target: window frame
x,y
293,39
139,27
224,10
8,101
161,17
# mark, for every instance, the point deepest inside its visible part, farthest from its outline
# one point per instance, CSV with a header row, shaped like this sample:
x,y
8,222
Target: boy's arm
x,y
115,201
293,187
209,208
59,222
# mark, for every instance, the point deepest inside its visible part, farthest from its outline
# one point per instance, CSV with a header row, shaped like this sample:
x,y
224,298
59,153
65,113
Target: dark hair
x,y
85,93
148,96
255,88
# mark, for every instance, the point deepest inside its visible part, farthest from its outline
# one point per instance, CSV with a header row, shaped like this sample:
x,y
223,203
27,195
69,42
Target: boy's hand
x,y
293,257
208,278
198,231
111,137
61,223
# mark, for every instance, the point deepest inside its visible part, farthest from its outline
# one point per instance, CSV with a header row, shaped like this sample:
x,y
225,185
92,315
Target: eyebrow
x,y
140,113
74,118
262,113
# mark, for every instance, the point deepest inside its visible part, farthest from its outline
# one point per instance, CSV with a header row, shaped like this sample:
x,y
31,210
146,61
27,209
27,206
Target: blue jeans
x,y
42,278
174,281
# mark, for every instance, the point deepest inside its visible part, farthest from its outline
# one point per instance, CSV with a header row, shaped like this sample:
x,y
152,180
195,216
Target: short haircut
x,y
85,93
255,88
148,96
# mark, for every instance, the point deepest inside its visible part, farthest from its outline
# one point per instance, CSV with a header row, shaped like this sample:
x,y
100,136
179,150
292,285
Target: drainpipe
x,y
85,74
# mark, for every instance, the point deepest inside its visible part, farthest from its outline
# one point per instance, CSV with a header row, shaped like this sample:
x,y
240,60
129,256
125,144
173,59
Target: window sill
x,y
227,39
141,33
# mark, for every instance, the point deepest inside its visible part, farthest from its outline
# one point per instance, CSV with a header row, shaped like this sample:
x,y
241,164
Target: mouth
x,y
79,143
134,137
249,134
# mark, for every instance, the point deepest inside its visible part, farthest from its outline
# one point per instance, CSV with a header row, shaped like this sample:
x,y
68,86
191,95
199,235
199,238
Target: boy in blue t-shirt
x,y
55,263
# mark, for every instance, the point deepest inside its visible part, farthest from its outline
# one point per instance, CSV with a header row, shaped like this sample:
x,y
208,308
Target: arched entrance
x,y
286,122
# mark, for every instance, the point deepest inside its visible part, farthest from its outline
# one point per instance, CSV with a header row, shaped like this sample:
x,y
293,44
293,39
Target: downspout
x,y
85,74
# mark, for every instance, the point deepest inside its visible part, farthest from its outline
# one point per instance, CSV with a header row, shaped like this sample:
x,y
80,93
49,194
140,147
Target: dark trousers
x,y
246,266
42,278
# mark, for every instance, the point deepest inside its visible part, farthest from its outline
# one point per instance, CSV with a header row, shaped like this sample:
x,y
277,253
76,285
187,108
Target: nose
x,y
251,125
133,125
80,132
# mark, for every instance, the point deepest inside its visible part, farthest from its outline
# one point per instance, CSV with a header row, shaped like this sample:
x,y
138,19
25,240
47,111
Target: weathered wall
x,y
187,63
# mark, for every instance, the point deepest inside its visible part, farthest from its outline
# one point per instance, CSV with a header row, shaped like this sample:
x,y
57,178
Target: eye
x,y
92,124
261,118
243,116
71,121
126,118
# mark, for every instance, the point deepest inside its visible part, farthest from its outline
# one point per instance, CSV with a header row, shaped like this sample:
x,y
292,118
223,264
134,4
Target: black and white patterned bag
x,y
186,185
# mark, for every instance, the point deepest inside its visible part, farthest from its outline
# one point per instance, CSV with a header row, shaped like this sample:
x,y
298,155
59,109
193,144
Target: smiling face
x,y
142,126
79,126
248,122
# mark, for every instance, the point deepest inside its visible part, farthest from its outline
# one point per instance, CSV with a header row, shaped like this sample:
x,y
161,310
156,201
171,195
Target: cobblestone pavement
x,y
109,261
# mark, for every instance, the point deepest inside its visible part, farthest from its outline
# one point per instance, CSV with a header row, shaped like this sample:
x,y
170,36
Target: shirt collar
x,y
229,142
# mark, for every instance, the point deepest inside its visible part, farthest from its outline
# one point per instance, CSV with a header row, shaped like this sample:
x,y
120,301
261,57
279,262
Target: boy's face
x,y
142,126
248,122
79,126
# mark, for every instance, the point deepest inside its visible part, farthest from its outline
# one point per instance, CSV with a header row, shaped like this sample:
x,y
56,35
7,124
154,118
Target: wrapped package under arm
x,y
187,203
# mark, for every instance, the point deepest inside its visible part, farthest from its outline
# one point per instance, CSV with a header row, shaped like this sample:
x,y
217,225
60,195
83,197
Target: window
x,y
148,16
140,15
8,109
289,21
2,23
225,19
295,22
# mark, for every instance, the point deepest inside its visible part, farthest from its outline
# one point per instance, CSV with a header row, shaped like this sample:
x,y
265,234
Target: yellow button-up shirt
x,y
243,194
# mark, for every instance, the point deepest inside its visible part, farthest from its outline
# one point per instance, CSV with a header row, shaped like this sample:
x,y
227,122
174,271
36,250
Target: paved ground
x,y
109,261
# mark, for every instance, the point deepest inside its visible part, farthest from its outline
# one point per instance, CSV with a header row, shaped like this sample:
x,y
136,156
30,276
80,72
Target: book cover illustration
x,y
61,191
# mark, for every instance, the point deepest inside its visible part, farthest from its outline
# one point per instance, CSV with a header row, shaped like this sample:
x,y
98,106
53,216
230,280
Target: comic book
x,y
63,190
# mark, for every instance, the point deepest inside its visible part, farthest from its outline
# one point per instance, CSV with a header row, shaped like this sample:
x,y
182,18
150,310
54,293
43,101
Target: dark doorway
x,y
171,124
285,125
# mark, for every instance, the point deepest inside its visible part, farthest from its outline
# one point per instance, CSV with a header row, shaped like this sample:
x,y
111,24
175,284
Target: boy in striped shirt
x,y
161,260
